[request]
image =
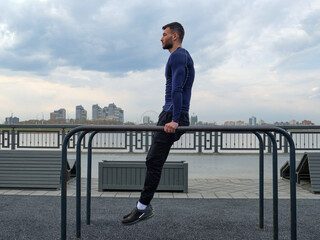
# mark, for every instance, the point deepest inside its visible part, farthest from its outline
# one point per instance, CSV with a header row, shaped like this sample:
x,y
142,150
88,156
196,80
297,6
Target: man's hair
x,y
175,27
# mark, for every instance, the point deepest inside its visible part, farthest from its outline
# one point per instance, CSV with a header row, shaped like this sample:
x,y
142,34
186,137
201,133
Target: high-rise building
x,y
105,112
146,120
194,119
58,114
114,113
252,121
11,120
81,113
97,112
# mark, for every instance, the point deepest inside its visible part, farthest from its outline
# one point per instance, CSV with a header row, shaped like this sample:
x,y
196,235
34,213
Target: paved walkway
x,y
224,204
223,188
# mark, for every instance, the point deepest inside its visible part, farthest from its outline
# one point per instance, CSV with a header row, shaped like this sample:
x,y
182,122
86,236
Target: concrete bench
x,y
30,169
130,176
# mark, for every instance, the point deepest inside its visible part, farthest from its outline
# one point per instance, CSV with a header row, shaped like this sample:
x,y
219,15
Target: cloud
x,y
315,93
252,57
30,95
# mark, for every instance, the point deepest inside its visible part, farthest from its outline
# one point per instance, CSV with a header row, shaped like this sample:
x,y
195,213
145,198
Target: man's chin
x,y
166,47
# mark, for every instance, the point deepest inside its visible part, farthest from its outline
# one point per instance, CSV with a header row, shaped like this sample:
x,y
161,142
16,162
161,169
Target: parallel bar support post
x,y
293,193
261,180
89,171
78,187
64,191
64,184
275,185
293,190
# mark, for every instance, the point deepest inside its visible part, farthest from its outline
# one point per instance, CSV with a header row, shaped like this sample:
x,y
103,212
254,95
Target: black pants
x,y
158,153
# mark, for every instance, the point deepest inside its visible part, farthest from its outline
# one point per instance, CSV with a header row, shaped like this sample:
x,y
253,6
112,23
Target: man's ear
x,y
175,36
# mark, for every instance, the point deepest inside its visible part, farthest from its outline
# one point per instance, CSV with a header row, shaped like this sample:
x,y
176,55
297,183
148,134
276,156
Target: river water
x,y
202,166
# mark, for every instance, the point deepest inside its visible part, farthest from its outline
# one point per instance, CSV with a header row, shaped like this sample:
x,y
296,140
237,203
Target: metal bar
x,y
293,193
64,183
78,186
275,185
89,171
261,180
113,128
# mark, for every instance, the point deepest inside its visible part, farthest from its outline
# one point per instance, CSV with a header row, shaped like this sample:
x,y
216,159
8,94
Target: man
x,y
179,75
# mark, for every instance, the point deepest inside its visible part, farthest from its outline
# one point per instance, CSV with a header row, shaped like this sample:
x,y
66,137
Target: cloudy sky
x,y
258,58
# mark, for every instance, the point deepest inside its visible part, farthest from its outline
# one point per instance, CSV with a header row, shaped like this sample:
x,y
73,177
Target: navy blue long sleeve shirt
x,y
179,80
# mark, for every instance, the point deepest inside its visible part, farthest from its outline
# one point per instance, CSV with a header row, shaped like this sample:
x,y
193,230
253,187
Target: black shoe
x,y
137,215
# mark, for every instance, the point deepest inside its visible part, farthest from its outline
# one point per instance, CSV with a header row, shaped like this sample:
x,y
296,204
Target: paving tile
x,y
223,195
53,193
156,195
209,196
123,194
234,195
135,195
12,192
165,195
198,188
180,195
251,196
194,195
96,194
108,194
25,193
39,193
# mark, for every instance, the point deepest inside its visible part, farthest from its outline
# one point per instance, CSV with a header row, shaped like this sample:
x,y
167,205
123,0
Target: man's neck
x,y
171,50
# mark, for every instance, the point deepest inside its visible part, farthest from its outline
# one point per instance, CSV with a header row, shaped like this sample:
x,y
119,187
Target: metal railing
x,y
269,131
306,138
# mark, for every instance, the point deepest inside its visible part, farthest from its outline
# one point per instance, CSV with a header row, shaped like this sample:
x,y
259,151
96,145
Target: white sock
x,y
141,206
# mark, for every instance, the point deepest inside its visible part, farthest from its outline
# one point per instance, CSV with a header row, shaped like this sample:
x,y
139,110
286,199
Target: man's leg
x,y
156,158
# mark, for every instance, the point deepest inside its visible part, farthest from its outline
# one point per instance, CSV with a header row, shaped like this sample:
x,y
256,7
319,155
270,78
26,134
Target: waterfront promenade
x,y
222,203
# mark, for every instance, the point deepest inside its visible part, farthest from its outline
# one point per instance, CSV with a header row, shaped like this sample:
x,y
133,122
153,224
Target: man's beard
x,y
167,45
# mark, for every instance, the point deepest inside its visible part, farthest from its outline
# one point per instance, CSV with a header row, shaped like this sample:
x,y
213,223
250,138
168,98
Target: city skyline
x,y
252,120
251,58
